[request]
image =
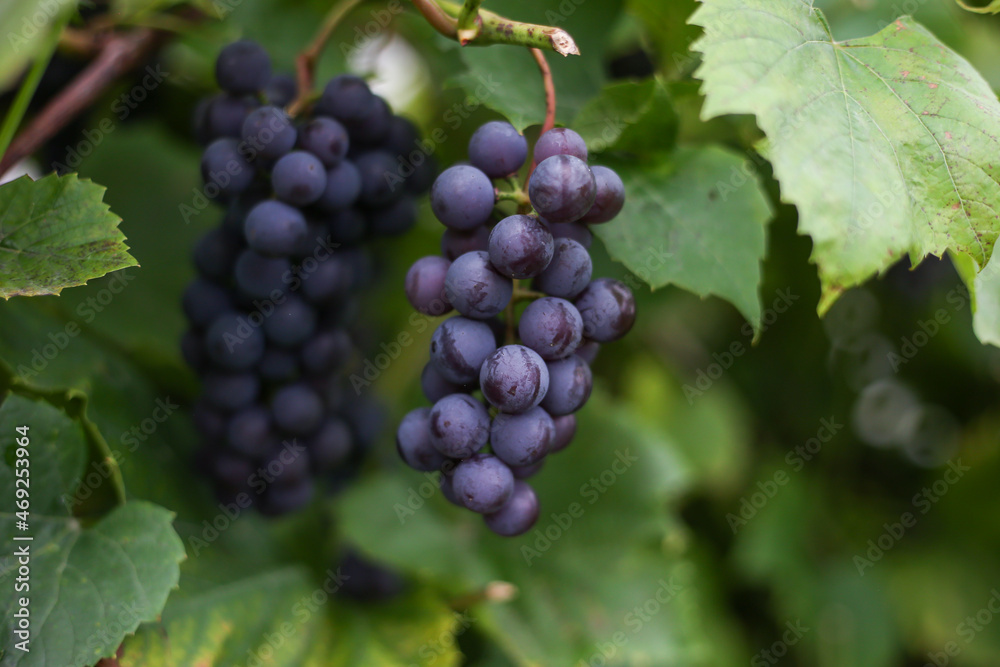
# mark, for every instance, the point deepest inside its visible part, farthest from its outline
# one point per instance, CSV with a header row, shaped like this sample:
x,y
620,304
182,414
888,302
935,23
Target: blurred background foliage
x,y
721,506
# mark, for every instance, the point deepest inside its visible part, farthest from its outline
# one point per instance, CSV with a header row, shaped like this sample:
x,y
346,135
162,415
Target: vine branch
x,y
119,54
305,63
446,17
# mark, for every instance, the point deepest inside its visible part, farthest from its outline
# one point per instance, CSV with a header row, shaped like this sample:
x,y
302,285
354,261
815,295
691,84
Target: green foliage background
x,y
712,419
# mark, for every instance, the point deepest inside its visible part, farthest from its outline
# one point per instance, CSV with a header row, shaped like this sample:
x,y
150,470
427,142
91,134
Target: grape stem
x,y
508,315
516,195
305,63
550,104
446,17
468,21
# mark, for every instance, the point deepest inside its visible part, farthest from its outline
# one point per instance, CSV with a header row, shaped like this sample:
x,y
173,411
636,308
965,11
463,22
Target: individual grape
x,y
436,386
374,127
402,138
565,430
462,198
483,483
291,323
326,139
331,445
226,114
380,182
232,472
448,487
475,288
570,382
522,439
275,229
425,285
514,379
215,254
278,365
413,442
608,310
526,472
326,352
454,243
346,98
393,219
281,90
348,226
518,514
290,462
203,301
315,241
230,391
568,273
552,327
243,68
459,426
261,277
610,196
560,141
572,230
343,187
269,132
283,498
520,247
193,350
249,432
562,188
238,208
497,149
297,409
223,167
588,351
233,343
298,178
329,281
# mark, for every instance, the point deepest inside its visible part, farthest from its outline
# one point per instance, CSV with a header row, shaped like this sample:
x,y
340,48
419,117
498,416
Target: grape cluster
x,y
277,280
533,370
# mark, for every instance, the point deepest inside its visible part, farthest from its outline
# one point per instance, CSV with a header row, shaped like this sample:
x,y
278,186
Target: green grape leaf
x,y
283,618
507,80
620,465
56,232
695,219
26,26
887,145
667,26
984,294
992,8
90,585
631,116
